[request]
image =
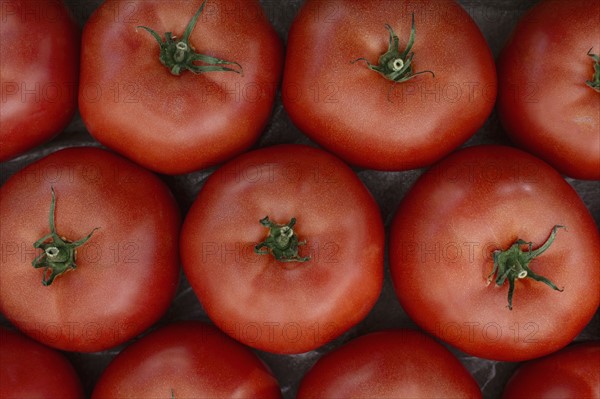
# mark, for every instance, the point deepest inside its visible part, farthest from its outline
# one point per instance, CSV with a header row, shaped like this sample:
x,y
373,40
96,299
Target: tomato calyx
x,y
179,56
393,64
513,264
59,253
595,82
281,242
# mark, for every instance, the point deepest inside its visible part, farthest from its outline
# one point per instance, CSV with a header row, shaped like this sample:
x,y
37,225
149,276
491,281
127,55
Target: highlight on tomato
x,y
284,248
388,85
494,252
389,364
89,249
187,360
176,85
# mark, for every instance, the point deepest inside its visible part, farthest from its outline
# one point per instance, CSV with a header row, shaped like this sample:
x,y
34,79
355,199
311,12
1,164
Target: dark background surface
x,y
496,19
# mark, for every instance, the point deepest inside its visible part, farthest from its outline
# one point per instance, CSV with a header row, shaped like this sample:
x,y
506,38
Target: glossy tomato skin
x,y
474,202
367,119
270,305
39,73
389,364
187,360
127,272
32,370
570,373
544,103
176,124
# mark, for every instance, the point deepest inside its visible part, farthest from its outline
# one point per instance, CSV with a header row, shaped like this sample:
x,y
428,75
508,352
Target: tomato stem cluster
x,y
393,64
59,253
595,82
179,56
513,264
281,242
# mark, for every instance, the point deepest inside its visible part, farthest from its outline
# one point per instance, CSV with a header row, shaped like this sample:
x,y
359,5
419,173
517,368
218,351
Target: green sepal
x,y
281,242
58,256
513,264
179,55
595,82
394,64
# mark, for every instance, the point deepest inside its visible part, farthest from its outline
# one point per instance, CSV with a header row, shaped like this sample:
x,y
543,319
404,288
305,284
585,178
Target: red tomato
x,y
186,360
31,370
367,119
544,102
325,229
173,124
391,364
573,372
126,272
39,48
466,216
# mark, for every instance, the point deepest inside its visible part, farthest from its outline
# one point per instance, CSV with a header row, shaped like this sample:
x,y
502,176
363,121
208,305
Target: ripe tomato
x,y
187,360
391,364
284,248
369,120
32,370
544,102
39,48
570,373
173,124
468,230
126,270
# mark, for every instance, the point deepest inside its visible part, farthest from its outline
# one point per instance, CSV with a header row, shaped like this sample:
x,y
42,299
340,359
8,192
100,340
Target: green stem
x,y
513,264
58,254
281,242
395,65
595,82
179,56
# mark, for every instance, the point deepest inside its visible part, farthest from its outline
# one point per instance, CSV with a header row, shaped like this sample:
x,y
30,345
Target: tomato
x,y
32,370
544,101
172,123
495,253
111,225
39,47
570,373
187,360
333,96
284,248
389,364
